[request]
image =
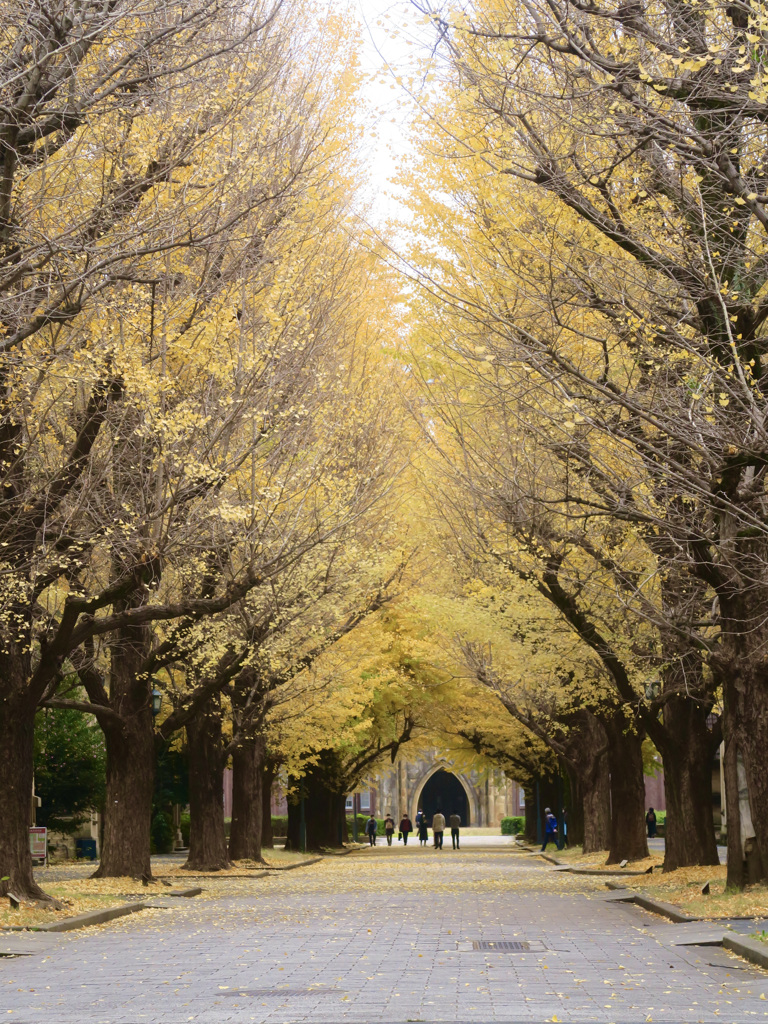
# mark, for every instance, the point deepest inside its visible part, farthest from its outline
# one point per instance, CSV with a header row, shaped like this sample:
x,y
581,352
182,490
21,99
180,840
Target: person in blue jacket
x,y
550,828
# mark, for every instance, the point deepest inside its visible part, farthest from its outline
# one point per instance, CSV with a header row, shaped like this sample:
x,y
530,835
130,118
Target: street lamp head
x,y
157,700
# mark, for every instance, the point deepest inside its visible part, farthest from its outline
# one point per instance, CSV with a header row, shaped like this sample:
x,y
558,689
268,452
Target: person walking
x,y
423,833
389,828
371,828
455,822
438,827
650,821
405,828
550,829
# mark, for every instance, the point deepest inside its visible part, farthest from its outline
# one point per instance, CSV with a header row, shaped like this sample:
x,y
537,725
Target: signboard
x,y
38,843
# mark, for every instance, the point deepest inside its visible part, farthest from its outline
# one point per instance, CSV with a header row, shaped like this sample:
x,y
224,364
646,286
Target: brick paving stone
x,y
385,936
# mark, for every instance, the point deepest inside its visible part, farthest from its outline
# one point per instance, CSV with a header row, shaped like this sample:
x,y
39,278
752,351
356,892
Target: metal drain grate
x,y
261,992
500,946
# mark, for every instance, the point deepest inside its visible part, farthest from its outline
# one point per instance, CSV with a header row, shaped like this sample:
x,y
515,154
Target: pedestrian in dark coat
x,y
405,828
371,828
650,821
389,828
423,831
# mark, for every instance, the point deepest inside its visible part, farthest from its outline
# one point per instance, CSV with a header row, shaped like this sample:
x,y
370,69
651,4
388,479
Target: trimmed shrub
x,y
512,826
162,833
280,825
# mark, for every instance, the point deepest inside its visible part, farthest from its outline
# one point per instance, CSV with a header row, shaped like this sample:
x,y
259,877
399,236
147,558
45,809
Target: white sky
x,y
394,39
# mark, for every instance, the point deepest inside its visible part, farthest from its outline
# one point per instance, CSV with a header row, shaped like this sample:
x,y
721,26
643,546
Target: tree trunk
x,y
324,807
744,667
131,761
267,781
17,724
735,877
245,836
625,758
128,806
689,832
530,814
597,806
752,738
575,802
323,819
207,838
586,757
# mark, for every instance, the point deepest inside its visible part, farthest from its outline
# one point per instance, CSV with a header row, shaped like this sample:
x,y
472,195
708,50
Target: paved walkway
x,y
387,935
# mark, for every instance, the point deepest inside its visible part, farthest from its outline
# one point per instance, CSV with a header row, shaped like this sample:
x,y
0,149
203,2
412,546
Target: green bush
x,y
162,833
362,820
512,826
279,824
184,826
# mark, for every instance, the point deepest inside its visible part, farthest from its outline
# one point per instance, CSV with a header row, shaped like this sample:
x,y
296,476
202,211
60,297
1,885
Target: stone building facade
x,y
434,783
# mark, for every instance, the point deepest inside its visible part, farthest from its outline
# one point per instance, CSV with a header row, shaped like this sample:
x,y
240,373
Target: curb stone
x,y
70,924
563,866
667,910
112,913
751,949
209,876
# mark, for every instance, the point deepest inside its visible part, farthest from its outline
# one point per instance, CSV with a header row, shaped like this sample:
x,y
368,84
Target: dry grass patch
x,y
78,896
574,857
683,889
272,859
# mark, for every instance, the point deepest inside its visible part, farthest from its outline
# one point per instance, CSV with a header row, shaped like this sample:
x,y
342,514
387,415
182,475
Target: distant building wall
x,y
654,792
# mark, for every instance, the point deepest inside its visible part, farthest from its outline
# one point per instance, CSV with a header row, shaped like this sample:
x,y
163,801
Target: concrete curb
x,y
751,949
564,866
664,909
70,924
211,876
667,910
301,864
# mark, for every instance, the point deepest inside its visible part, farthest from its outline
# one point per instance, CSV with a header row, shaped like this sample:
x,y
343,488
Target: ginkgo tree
x,y
583,253
172,344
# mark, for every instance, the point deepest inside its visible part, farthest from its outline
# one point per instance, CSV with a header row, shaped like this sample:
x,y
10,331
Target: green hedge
x,y
280,825
512,826
362,821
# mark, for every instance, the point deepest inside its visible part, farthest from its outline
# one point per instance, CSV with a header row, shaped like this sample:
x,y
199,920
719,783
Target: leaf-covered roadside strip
x,y
683,889
78,896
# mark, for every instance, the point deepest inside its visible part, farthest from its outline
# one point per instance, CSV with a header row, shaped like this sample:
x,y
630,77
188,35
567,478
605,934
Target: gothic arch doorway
x,y
443,791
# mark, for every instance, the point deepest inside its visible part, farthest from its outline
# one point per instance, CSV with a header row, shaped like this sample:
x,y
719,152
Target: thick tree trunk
x,y
575,804
245,836
128,806
587,761
324,807
530,814
17,724
597,807
268,778
689,836
207,838
625,758
744,665
735,878
323,819
752,733
131,761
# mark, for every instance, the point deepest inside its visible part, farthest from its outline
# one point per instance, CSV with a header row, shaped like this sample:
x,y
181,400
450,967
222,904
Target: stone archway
x,y
472,803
